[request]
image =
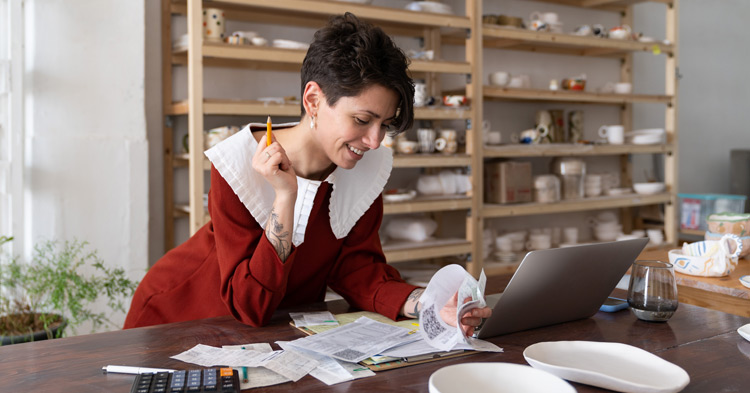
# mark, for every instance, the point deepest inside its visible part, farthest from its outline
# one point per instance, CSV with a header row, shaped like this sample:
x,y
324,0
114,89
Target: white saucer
x,y
399,195
495,378
745,280
615,366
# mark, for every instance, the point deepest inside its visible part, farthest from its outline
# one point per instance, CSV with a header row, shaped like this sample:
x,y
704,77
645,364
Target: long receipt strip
x,y
443,285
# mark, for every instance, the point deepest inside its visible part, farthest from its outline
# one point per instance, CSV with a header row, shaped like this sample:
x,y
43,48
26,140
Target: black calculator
x,y
217,380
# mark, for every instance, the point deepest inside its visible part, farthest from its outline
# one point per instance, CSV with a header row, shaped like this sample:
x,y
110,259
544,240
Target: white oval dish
x,y
495,378
744,331
648,188
745,280
615,366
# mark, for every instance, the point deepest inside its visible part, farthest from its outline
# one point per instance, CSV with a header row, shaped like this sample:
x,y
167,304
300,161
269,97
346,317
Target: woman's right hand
x,y
273,163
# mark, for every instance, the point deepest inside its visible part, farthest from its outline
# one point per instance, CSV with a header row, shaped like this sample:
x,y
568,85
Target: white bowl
x,y
430,6
648,188
495,378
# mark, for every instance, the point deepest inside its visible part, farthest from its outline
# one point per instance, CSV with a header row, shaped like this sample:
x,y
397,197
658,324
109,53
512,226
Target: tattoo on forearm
x,y
278,237
414,297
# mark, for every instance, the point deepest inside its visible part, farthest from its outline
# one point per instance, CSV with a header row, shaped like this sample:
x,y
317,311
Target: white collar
x,y
353,192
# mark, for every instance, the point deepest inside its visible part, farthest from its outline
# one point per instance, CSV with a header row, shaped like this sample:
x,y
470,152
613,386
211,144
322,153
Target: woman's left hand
x,y
469,321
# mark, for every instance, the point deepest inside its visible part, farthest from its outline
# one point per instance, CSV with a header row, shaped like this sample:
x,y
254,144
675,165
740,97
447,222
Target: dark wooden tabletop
x,y
703,342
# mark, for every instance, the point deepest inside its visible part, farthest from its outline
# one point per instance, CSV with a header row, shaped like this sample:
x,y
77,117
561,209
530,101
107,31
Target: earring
x,y
312,122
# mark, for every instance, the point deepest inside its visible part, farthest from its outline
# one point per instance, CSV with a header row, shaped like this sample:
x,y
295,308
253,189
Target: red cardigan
x,y
229,267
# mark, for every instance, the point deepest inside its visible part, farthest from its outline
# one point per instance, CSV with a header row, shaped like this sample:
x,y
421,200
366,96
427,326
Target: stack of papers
x,y
332,355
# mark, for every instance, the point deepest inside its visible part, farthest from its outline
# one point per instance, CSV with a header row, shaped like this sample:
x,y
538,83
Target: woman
x,y
304,212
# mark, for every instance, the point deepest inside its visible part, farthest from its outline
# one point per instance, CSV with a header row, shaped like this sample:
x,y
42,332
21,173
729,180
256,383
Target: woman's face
x,y
355,124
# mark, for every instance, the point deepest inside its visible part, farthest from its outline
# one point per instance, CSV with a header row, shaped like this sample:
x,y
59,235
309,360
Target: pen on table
x,y
268,131
134,370
244,369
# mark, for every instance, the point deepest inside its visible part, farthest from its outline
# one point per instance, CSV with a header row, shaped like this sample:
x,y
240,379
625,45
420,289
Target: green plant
x,y
62,281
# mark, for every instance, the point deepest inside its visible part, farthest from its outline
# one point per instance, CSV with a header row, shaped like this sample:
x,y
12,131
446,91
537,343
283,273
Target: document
x,y
443,285
422,347
257,376
331,371
356,341
302,319
292,365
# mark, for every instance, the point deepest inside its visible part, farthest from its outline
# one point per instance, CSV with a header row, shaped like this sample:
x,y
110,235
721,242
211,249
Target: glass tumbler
x,y
652,293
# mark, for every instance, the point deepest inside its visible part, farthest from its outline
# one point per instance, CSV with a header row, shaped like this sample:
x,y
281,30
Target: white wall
x,y
86,127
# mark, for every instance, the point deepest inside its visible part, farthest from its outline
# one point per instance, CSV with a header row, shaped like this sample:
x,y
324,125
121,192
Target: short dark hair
x,y
348,55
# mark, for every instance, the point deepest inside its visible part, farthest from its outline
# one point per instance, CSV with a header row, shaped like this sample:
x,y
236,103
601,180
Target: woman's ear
x,y
311,98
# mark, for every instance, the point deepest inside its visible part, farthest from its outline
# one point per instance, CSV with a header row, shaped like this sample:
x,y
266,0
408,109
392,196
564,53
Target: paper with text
x,y
318,318
444,284
356,341
257,376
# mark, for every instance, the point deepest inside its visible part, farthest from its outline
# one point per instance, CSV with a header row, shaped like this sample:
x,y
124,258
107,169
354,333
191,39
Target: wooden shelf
x,y
430,160
580,97
585,204
262,108
399,251
428,204
264,57
501,37
320,11
566,149
611,5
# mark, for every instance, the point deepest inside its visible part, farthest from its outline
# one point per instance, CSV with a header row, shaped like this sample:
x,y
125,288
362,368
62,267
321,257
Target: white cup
x,y
656,236
504,243
420,94
615,134
623,88
494,138
499,78
547,17
213,24
570,235
426,139
539,241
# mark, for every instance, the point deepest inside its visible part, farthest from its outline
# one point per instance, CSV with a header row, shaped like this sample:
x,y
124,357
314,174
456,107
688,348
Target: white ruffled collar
x,y
353,192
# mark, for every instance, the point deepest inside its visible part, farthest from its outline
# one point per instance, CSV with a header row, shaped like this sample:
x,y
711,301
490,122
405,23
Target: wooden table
x,y
718,293
703,342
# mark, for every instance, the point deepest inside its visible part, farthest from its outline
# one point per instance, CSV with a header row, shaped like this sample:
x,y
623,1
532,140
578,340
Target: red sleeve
x,y
361,275
253,278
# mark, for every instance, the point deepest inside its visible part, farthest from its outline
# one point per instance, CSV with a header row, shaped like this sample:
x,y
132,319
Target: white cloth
x,y
353,192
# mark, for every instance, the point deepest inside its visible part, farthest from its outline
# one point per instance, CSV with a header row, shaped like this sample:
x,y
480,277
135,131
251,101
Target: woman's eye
x,y
360,121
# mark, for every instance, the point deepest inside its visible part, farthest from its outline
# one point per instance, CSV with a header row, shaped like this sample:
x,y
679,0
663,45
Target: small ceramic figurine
x,y
575,126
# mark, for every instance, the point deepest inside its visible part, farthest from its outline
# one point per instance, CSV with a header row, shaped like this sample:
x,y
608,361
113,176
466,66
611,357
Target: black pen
x,y
428,356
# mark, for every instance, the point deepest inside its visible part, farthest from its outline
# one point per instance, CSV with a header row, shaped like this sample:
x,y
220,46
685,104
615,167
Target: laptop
x,y
559,285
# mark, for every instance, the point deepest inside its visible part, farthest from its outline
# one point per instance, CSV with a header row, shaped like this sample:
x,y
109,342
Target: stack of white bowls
x,y
606,227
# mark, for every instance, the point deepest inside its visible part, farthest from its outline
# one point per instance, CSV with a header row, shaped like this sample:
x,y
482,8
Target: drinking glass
x,y
652,293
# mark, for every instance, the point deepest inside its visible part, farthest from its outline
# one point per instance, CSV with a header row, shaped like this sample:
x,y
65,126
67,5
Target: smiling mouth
x,y
355,150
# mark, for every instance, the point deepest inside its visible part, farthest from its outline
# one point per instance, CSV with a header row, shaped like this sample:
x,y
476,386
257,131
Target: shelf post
x,y
475,221
671,160
167,135
195,113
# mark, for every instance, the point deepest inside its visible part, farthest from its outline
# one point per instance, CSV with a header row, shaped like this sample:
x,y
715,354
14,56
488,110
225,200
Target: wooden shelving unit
x,y
434,30
308,13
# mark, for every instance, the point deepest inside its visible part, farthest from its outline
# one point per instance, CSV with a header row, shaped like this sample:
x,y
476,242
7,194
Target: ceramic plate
x,y
745,280
287,44
495,378
399,195
744,331
615,366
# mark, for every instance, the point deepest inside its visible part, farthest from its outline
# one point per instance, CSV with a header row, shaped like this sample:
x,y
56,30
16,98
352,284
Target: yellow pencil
x,y
268,131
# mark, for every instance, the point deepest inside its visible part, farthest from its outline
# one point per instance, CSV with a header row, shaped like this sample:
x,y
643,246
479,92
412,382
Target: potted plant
x,y
56,290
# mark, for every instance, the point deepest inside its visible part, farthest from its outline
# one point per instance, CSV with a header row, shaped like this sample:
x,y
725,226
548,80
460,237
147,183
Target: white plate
x,y
744,331
648,188
615,366
495,378
400,196
287,44
745,280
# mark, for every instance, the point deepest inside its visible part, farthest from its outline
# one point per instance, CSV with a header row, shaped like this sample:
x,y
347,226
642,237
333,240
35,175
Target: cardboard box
x,y
507,182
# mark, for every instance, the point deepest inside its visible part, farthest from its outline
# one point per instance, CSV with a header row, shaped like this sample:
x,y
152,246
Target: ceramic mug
x,y
446,146
420,94
547,17
426,139
494,138
531,136
213,24
615,134
618,88
499,78
538,25
623,32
